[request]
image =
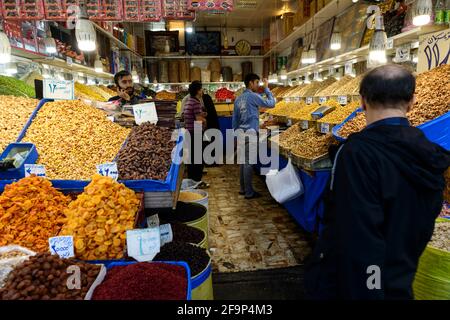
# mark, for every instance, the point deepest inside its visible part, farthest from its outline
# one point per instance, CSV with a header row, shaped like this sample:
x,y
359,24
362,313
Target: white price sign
x,y
289,122
342,100
153,221
287,99
228,100
108,170
402,54
304,124
62,246
166,234
143,244
324,127
316,75
348,68
309,100
58,89
322,100
36,169
390,44
297,99
145,112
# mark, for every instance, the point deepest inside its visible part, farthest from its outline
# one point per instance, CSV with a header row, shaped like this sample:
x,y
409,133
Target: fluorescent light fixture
x,y
305,57
146,80
312,56
283,73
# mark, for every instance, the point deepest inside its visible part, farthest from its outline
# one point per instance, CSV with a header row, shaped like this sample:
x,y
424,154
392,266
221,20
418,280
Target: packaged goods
x,y
196,74
14,113
206,76
143,281
10,86
214,65
72,138
147,153
196,257
332,89
163,71
31,211
215,76
340,113
99,218
184,71
45,277
87,92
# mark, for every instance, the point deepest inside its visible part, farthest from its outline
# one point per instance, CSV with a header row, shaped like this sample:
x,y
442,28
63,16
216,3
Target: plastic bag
x,y
285,184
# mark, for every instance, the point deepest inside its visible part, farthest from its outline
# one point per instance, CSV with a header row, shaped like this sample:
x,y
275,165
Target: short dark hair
x,y
250,77
194,87
119,75
388,86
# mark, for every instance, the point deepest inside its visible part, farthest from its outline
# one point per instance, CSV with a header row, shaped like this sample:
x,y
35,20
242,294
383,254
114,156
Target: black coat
x,y
386,194
212,120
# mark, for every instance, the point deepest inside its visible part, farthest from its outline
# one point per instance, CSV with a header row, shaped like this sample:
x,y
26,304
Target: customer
x,y
385,194
125,89
193,113
246,118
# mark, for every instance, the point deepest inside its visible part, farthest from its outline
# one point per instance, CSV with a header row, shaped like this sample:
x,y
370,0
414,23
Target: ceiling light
x,y
273,78
283,73
312,55
355,1
189,28
422,10
85,34
5,48
305,56
377,47
336,40
146,80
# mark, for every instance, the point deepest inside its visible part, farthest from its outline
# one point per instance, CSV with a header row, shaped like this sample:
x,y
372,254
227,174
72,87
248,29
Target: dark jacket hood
x,y
421,161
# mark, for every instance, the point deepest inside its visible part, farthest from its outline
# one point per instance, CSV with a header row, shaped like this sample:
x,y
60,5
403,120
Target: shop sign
x,y
145,112
58,89
108,170
143,244
36,169
434,50
62,246
210,5
342,100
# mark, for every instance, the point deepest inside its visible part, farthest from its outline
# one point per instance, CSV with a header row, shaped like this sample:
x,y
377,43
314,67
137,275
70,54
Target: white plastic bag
x,y
285,184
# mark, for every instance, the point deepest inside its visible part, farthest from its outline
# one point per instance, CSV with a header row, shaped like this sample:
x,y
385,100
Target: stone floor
x,y
249,235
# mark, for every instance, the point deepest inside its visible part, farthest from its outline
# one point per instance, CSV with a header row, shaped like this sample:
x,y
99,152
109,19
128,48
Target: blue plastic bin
x,y
336,129
19,173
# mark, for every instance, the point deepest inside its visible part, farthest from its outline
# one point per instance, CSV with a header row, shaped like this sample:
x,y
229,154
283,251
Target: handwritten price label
x,y
322,100
304,124
62,246
309,100
145,112
143,244
108,170
324,127
58,89
36,169
342,100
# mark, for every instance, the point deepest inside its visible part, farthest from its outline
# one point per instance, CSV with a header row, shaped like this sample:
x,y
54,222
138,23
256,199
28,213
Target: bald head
x,y
388,87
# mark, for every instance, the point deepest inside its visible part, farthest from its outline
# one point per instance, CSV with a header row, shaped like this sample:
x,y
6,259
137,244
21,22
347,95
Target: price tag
x,y
153,221
287,99
289,122
342,100
166,234
304,124
69,61
143,244
111,118
390,44
316,75
297,99
324,127
402,54
145,112
228,100
348,68
322,100
62,246
108,170
36,169
58,89
309,100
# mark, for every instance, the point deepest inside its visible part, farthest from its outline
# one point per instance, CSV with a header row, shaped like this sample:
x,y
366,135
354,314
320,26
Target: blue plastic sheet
x,y
336,129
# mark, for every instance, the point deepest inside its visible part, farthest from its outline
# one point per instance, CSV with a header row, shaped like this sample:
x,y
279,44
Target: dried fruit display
x,y
15,87
188,196
105,95
111,92
224,94
147,154
285,109
166,95
31,211
45,277
441,236
286,137
14,113
331,89
340,113
354,125
72,138
432,95
305,112
311,89
294,91
87,92
351,87
306,144
99,218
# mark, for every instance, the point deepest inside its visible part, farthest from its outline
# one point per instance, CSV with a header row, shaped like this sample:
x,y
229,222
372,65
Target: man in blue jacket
x,y
385,194
246,118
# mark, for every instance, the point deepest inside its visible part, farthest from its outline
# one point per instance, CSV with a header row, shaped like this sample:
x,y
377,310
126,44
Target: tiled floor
x,y
249,235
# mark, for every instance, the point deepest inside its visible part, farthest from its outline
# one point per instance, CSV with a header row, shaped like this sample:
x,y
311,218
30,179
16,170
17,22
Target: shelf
x,y
121,45
59,63
202,57
361,54
187,83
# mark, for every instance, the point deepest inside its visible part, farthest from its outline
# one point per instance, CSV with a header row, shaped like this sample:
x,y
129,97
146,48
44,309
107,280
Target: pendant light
x,y
422,10
336,37
312,55
146,80
50,43
98,65
283,73
85,31
189,28
135,75
5,47
304,56
377,47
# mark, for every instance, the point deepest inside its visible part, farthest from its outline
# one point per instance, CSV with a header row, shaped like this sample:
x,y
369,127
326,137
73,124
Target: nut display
x,y
354,125
14,113
46,277
105,95
286,109
331,89
305,112
316,86
166,95
147,153
340,113
441,236
12,254
87,92
15,87
99,218
72,138
31,211
432,95
351,87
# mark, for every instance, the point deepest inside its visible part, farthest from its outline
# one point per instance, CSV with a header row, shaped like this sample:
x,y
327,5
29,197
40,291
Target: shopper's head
x,y
388,87
251,82
124,82
195,89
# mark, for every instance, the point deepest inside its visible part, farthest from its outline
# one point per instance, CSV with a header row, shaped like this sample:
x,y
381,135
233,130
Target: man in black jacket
x,y
385,194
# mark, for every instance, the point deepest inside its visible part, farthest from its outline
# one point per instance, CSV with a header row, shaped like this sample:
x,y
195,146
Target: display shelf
x,y
187,83
120,44
361,54
58,62
202,57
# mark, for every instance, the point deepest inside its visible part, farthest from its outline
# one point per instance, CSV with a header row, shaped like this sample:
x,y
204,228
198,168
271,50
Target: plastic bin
x,y
31,158
336,129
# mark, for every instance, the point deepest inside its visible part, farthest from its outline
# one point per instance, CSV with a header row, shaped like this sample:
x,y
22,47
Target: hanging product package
x,y
285,184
